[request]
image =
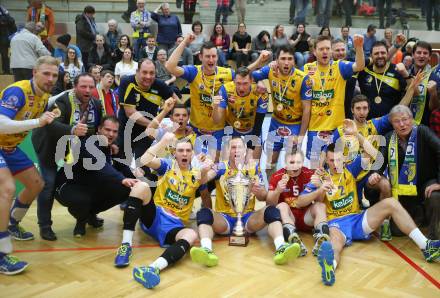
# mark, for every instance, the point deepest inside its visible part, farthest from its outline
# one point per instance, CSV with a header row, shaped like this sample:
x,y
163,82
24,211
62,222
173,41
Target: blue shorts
x,y
209,140
162,224
16,161
232,220
351,226
316,140
278,132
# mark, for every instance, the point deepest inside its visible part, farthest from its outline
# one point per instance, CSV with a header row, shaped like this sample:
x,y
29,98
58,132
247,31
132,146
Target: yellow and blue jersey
x,y
202,87
224,172
176,189
372,130
343,199
241,111
328,85
19,102
288,91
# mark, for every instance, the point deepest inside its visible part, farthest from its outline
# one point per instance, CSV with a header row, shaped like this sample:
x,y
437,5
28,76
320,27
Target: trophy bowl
x,y
238,195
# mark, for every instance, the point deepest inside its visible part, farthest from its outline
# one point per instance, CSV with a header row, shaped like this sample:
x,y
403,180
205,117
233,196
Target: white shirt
x,y
124,69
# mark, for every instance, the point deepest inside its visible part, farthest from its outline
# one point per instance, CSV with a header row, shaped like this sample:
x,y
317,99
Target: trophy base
x,y
238,240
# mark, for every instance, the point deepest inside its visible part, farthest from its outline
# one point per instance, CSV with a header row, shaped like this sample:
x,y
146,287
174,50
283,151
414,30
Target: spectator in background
x,y
384,7
388,37
85,32
71,64
100,54
432,6
168,27
325,31
150,50
64,83
7,28
324,12
348,8
113,35
61,45
95,72
126,67
105,93
260,43
196,44
346,37
369,39
301,7
130,8
222,10
162,73
123,43
240,10
140,21
40,12
189,9
300,40
408,62
26,47
279,38
241,46
186,58
222,41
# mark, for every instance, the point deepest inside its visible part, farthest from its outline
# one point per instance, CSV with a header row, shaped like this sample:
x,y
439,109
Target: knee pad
x,y
204,216
271,214
176,251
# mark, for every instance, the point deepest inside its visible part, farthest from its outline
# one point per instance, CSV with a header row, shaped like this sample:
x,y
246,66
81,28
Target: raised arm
x,y
359,62
149,158
172,64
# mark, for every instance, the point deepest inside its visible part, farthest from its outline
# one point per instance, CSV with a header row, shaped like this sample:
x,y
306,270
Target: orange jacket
x,y
49,22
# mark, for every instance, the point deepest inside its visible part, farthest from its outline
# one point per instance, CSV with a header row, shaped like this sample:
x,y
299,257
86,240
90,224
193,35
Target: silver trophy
x,y
237,194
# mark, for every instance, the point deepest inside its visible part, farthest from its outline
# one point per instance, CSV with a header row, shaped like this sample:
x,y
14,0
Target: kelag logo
x,y
344,202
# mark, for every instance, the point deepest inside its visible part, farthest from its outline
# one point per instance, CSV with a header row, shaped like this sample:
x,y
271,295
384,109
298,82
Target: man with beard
x,y
383,85
427,98
22,107
291,91
329,83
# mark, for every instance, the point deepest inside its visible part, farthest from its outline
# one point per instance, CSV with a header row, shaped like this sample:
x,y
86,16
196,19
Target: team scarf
x,y
418,102
92,24
403,182
42,18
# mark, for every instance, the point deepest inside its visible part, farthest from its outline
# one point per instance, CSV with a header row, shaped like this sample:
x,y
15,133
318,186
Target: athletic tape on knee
x,y
271,214
176,251
132,213
204,216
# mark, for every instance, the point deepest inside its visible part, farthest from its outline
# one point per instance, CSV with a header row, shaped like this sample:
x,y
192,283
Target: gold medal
x,y
285,176
57,112
322,99
237,124
378,99
279,107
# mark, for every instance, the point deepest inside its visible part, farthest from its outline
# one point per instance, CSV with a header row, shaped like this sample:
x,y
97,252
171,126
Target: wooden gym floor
x,y
72,267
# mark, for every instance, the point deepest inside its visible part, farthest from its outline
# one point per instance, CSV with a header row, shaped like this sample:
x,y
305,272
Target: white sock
x,y
335,264
6,245
418,238
206,243
127,236
278,241
160,263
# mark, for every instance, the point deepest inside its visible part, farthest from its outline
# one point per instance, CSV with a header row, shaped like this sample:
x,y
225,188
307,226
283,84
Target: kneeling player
x,y
163,218
224,218
284,188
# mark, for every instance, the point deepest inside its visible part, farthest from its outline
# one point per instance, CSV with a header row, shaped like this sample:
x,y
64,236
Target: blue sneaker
x,y
147,276
325,259
11,265
18,233
432,251
123,256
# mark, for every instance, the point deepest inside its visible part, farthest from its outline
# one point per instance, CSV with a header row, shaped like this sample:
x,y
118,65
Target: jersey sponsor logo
x,y
329,94
10,103
205,99
343,203
283,100
309,93
176,197
320,104
284,131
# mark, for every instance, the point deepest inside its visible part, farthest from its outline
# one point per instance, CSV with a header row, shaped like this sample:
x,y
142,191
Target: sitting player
x,y
347,222
163,218
285,185
224,218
